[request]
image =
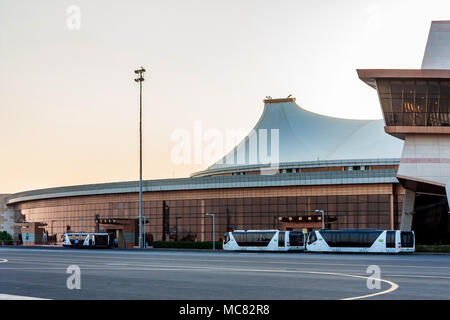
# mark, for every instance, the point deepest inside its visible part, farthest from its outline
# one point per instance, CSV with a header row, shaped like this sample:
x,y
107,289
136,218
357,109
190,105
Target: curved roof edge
x,y
212,182
297,164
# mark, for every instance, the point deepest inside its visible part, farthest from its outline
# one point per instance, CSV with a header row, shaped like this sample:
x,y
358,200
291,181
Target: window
x,y
352,238
312,237
296,238
407,239
226,238
414,102
281,236
101,240
390,239
253,239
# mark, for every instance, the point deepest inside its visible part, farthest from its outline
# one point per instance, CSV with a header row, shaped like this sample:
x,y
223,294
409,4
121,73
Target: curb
x,y
112,249
431,253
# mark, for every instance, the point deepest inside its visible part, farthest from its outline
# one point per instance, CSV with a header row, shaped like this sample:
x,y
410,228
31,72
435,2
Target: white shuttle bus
x,y
86,240
361,240
264,240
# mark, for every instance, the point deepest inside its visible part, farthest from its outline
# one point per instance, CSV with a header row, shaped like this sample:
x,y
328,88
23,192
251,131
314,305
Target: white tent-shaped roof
x,y
307,136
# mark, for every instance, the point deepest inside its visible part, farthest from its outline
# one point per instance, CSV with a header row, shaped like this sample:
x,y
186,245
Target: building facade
x,y
373,201
416,109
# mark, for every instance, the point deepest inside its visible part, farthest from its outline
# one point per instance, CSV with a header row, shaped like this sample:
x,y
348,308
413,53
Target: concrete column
x,y
408,208
447,191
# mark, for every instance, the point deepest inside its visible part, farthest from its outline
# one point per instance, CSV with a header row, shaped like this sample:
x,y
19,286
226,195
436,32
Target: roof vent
x,y
279,100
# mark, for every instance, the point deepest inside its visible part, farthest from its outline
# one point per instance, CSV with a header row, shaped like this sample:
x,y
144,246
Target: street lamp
x,y
323,217
140,72
213,230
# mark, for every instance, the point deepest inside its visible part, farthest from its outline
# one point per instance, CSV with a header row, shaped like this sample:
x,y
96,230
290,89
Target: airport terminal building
x,y
345,167
352,169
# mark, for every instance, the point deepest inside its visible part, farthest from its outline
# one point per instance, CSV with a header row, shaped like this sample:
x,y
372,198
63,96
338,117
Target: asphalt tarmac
x,y
155,274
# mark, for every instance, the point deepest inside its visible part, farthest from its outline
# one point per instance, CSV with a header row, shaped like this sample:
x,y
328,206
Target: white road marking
x,y
245,261
144,267
148,267
393,285
14,297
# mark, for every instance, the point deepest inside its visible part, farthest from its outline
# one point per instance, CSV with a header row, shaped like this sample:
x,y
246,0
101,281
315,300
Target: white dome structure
x,y
304,136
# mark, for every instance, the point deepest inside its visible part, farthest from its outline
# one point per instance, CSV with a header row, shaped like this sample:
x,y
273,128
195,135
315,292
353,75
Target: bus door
x,y
296,239
390,241
281,236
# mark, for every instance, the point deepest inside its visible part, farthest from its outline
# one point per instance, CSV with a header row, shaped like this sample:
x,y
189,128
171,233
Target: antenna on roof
x,y
289,96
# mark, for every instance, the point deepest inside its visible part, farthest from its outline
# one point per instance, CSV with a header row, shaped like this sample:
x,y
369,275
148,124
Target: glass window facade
x,y
257,208
415,102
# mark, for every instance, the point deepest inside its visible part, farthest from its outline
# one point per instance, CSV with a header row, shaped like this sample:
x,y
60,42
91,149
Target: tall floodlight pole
x,y
143,222
213,230
140,72
323,217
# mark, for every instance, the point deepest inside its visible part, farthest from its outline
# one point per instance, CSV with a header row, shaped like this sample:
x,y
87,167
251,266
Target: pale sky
x,y
69,105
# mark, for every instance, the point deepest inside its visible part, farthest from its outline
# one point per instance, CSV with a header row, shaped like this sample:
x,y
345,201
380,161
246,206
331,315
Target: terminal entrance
x,y
305,223
124,230
426,212
431,219
116,234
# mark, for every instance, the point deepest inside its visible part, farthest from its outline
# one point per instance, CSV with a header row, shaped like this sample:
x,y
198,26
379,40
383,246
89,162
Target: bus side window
x,y
281,236
312,237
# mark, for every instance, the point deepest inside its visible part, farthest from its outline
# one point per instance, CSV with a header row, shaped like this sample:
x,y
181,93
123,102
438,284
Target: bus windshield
x,y
407,239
